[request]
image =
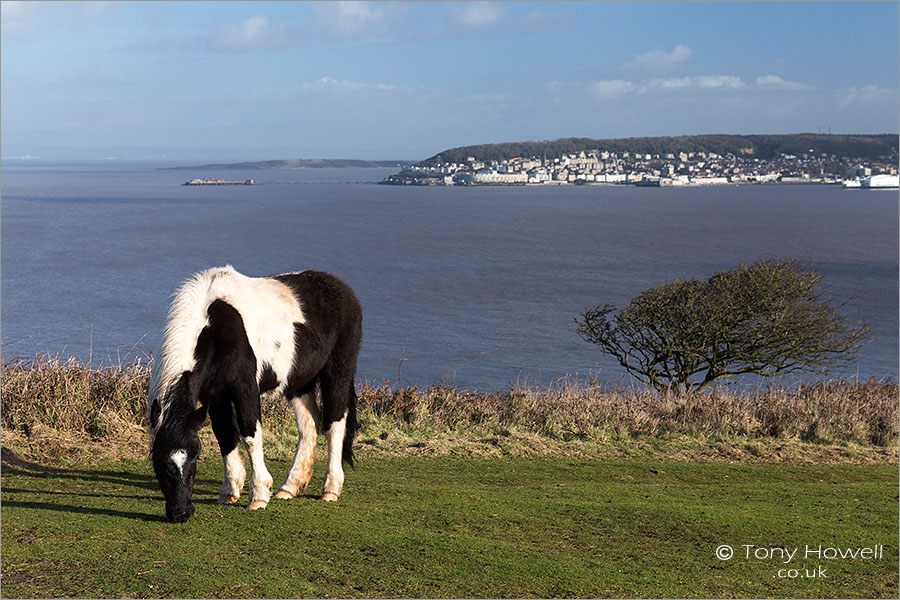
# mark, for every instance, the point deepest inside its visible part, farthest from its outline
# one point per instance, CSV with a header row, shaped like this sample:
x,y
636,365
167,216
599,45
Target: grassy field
x,y
575,490
455,527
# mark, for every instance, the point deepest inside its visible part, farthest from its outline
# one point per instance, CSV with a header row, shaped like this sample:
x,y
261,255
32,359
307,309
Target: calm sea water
x,y
476,287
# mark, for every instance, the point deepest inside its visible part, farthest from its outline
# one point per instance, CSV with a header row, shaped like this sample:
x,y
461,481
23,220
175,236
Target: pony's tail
x,y
351,427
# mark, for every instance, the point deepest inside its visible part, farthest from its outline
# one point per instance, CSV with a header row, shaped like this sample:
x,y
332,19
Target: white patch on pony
x,y
179,457
267,307
334,474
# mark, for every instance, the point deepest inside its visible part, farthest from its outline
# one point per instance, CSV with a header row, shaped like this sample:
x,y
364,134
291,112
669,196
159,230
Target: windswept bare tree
x,y
765,319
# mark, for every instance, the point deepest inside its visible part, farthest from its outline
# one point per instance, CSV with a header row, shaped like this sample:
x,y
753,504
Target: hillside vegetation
x,y
868,147
52,410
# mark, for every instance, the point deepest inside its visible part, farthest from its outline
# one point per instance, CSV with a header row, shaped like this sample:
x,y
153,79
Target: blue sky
x,y
405,80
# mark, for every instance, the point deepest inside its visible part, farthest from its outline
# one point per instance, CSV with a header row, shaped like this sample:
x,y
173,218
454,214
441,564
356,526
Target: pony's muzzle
x,y
179,516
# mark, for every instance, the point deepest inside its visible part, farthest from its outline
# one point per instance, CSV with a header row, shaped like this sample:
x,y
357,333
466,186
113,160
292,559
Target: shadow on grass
x,y
14,464
10,490
85,510
205,492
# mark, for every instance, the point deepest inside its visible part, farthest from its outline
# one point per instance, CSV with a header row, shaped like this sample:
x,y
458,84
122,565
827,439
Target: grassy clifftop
x,y
587,501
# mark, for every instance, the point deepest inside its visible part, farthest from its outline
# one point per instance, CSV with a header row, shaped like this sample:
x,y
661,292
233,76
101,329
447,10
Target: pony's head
x,y
175,447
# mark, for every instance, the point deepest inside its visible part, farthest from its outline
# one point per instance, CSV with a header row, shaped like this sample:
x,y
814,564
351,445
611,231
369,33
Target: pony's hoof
x,y
329,497
257,504
228,499
284,495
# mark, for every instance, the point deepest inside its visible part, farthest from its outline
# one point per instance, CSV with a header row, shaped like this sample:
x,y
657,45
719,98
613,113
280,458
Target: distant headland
x,y
864,160
857,160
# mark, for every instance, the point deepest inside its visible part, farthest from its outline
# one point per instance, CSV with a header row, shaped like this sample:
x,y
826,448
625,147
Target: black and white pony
x,y
228,338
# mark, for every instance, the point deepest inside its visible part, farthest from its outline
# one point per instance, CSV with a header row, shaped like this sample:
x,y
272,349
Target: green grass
x,y
454,527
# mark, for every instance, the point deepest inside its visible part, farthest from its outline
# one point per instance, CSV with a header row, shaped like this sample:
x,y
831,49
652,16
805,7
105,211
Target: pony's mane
x,y
267,307
186,319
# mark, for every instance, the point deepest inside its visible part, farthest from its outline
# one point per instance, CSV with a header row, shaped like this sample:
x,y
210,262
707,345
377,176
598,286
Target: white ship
x,y
874,182
218,182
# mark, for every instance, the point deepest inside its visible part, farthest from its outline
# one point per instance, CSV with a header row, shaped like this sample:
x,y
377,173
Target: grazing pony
x,y
228,338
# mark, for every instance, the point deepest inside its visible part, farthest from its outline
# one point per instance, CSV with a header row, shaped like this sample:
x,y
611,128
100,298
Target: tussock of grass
x,y
49,407
68,396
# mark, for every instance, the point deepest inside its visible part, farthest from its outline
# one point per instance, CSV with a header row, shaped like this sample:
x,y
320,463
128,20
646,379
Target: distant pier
x,y
218,182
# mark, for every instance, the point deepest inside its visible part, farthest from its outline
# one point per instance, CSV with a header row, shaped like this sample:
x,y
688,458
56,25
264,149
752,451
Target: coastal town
x,y
655,170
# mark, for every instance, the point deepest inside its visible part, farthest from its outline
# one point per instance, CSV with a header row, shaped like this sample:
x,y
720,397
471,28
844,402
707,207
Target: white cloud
x,y
330,83
251,34
611,89
703,82
868,96
333,86
478,14
776,82
658,62
351,20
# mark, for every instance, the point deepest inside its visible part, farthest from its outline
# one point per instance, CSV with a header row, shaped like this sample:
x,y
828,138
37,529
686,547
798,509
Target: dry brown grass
x,y
71,397
836,412
52,408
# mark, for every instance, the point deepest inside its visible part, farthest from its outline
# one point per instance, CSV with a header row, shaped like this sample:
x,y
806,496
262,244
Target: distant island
x,y
304,163
666,161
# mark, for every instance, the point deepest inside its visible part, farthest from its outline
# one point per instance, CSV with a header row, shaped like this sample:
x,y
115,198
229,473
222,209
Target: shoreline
x,y
436,183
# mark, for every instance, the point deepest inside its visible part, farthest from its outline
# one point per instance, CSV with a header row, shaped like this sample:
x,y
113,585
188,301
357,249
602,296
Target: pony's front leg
x,y
221,415
233,481
260,479
306,414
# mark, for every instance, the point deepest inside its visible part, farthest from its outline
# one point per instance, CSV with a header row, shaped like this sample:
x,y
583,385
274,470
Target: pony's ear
x,y
197,417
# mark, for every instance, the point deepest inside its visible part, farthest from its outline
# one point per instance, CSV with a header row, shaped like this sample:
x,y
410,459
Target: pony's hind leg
x,y
339,407
306,413
334,474
221,416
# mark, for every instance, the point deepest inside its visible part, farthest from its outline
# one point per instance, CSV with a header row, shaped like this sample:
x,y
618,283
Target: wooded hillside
x,y
869,147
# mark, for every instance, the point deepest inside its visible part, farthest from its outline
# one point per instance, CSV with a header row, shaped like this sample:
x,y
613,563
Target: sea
x,y
473,287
